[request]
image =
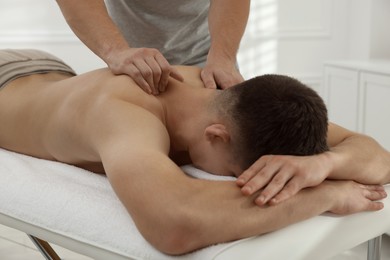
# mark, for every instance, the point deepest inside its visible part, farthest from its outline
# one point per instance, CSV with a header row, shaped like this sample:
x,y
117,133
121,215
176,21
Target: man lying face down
x,y
106,123
269,114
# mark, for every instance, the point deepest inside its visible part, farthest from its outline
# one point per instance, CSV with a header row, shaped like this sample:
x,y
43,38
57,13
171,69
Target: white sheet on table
x,y
80,205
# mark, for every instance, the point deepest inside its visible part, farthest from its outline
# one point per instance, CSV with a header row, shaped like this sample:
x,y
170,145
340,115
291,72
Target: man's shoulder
x,y
191,75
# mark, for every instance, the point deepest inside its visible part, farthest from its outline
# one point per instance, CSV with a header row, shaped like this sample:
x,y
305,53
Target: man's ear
x,y
217,132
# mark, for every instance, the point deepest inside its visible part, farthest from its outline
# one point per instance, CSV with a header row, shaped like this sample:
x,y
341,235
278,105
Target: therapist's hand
x,y
281,176
223,74
146,66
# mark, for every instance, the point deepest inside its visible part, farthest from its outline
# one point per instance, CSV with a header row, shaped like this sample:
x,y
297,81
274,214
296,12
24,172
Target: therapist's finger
x,y
156,72
208,79
227,80
146,73
137,76
165,71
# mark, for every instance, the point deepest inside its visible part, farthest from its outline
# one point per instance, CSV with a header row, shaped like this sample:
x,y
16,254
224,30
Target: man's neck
x,y
187,112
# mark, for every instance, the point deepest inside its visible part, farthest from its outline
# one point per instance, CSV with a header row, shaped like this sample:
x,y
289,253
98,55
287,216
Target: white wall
x,y
39,24
380,32
292,37
296,37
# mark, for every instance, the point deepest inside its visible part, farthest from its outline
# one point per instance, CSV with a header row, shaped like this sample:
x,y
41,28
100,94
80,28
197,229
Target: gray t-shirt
x,y
178,28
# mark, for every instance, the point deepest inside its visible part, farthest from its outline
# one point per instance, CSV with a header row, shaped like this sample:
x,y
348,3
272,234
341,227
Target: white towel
x,y
82,209
76,203
199,174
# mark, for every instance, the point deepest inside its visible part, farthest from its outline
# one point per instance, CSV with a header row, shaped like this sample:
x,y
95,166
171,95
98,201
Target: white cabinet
x,y
357,94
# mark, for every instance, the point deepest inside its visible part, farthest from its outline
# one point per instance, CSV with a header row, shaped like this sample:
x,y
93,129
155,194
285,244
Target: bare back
x,y
57,117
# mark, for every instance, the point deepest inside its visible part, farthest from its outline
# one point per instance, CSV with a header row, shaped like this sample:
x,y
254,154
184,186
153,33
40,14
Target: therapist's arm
x,y
227,22
352,156
90,21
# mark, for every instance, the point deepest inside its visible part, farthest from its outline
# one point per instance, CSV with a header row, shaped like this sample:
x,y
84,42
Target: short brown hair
x,y
276,114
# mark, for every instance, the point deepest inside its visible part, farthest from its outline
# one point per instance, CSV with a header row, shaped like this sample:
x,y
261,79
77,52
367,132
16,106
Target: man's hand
x,y
282,176
223,75
147,67
352,197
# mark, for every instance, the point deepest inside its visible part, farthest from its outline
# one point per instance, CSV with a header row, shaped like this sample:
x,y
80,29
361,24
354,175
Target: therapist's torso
x,y
178,28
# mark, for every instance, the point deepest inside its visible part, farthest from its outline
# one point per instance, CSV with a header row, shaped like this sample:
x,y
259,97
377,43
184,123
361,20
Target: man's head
x,y
276,114
270,114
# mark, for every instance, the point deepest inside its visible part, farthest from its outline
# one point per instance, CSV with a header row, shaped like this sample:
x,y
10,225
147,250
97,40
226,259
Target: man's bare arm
x,y
357,157
352,156
178,214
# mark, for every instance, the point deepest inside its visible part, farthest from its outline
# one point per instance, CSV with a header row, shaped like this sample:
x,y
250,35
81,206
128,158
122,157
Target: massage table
x,y
78,210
